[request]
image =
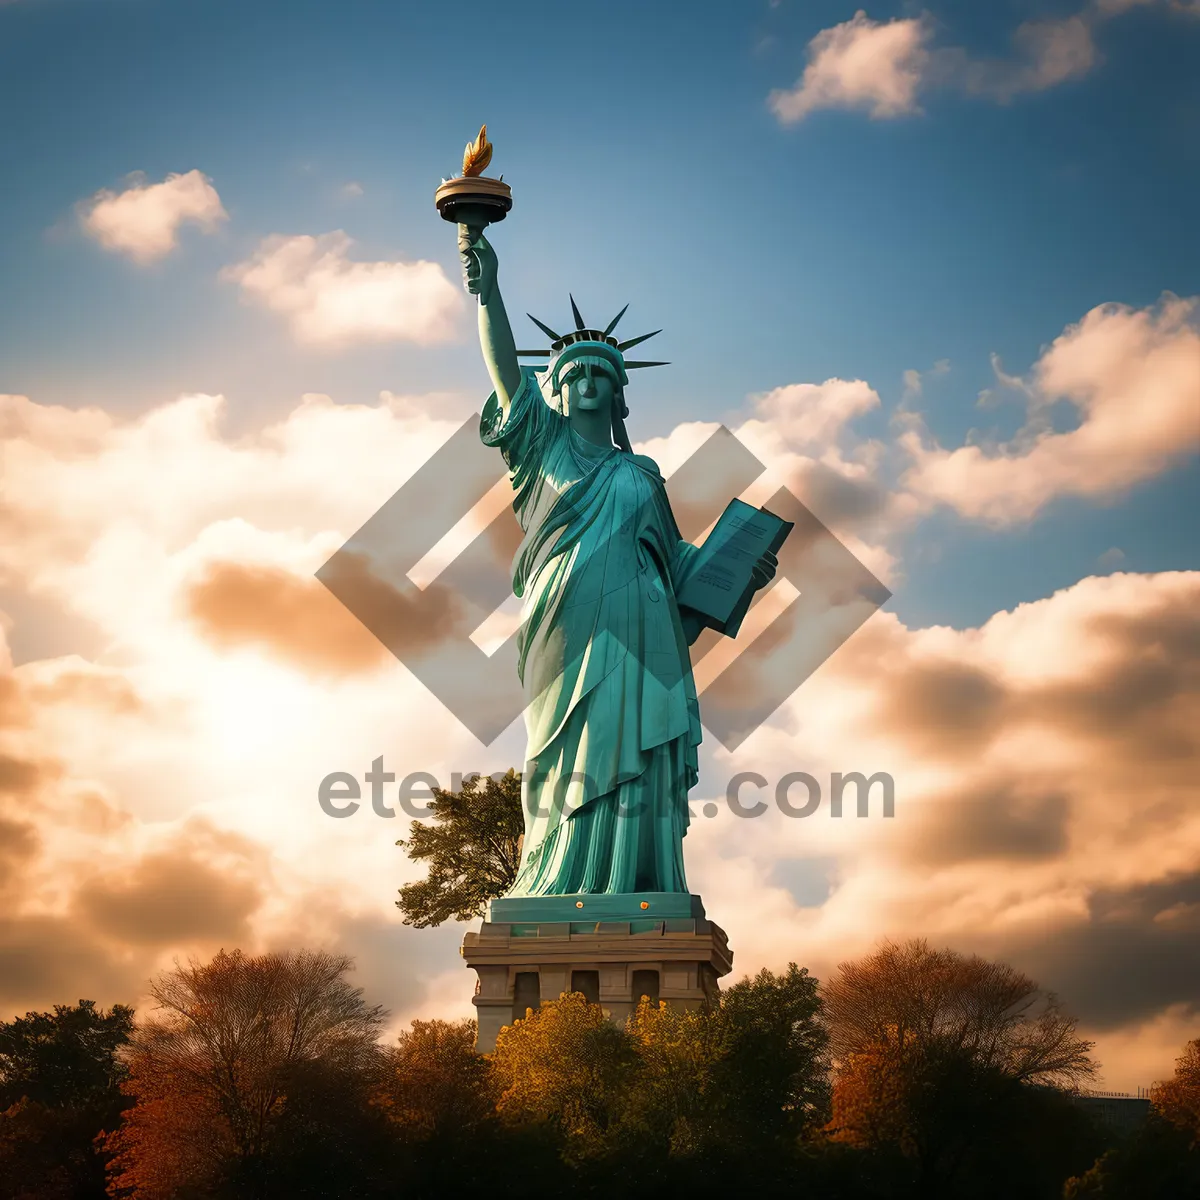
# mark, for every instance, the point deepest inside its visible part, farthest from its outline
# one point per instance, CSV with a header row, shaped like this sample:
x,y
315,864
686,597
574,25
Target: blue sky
x,y
647,167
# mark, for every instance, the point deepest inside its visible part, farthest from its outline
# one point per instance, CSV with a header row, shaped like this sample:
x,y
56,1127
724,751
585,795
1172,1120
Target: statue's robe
x,y
611,710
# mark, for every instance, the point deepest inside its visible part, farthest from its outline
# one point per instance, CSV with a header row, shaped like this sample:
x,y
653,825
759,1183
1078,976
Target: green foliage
x,y
60,1076
677,1104
64,1059
777,1068
473,850
676,1091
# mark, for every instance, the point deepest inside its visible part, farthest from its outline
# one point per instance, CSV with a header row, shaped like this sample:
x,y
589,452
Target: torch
x,y
473,201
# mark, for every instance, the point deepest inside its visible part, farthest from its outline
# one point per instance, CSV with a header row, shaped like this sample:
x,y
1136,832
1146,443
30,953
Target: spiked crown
x,y
584,344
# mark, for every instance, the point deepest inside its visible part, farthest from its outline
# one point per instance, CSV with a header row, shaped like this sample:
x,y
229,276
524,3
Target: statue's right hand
x,y
479,267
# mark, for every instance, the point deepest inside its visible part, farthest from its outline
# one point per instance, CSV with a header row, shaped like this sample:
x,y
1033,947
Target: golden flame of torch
x,y
478,154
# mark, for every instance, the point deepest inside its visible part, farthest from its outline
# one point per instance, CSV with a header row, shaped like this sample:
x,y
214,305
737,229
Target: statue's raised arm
x,y
473,201
495,332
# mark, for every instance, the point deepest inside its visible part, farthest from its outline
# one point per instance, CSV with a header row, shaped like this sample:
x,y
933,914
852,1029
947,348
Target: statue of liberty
x,y
611,710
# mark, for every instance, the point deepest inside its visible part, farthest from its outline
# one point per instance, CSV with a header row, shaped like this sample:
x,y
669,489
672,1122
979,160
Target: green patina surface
x,y
611,712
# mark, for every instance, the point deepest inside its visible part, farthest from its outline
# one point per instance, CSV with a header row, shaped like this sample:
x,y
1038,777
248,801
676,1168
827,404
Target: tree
x,y
1178,1098
914,997
677,1104
777,1069
1161,1161
473,851
64,1059
439,1098
238,1042
435,1085
677,1101
958,1064
565,1067
1158,1162
60,1076
870,1101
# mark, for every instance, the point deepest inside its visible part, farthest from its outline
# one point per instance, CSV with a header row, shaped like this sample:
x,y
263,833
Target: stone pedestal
x,y
521,963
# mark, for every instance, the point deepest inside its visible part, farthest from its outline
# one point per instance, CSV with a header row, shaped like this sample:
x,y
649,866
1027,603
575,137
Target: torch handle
x,y
466,235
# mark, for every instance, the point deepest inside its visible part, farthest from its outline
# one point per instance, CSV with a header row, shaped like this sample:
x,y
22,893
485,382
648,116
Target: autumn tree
x,y
59,1088
1161,1160
438,1095
960,1064
472,850
678,1103
435,1084
912,996
221,1074
566,1068
676,1100
1178,1098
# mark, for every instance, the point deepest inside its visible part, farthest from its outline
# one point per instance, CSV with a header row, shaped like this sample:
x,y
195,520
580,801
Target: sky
x,y
937,266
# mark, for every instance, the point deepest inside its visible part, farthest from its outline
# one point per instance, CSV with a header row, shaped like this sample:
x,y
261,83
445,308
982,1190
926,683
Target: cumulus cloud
x,y
883,67
805,415
298,618
805,436
143,221
1048,52
92,899
1132,378
202,888
330,300
863,64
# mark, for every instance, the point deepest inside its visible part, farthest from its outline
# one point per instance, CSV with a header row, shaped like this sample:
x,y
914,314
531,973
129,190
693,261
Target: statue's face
x,y
589,388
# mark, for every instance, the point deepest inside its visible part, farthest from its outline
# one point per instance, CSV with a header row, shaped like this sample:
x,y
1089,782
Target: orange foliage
x,y
436,1083
1178,1098
172,1137
210,1075
870,1103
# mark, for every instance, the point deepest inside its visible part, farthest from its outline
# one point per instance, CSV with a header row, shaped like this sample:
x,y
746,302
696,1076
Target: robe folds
x,y
611,712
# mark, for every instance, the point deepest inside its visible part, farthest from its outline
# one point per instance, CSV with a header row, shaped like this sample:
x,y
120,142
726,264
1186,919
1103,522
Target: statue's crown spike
x,y
581,334
613,323
623,346
554,337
